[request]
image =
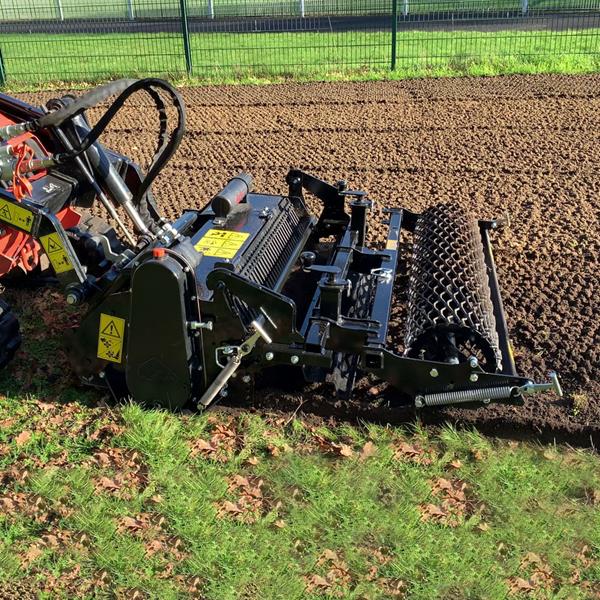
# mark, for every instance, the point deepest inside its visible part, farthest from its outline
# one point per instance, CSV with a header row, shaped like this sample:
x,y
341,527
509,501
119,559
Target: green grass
x,y
47,9
230,58
520,499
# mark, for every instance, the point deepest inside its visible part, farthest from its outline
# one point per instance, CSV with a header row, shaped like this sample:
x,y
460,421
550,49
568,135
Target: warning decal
x,y
16,215
110,338
220,243
56,253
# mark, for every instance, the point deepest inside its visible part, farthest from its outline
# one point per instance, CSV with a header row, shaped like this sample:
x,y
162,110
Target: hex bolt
x,y
294,360
246,379
473,362
72,299
269,356
474,377
434,372
419,402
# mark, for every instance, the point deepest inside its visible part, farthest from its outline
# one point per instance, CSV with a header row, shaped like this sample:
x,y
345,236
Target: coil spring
x,y
484,395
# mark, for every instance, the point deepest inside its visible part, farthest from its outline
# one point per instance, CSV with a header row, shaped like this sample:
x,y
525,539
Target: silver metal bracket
x,y
235,354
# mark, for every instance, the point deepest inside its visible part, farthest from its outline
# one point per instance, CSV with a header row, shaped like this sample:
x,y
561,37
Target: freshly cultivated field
x,y
525,147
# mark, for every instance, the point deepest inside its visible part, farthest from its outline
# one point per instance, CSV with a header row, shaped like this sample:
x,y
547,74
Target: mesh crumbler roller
x,y
450,311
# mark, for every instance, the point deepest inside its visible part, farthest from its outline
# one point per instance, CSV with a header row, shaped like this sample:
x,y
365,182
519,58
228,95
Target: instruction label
x,y
110,338
220,243
16,215
55,250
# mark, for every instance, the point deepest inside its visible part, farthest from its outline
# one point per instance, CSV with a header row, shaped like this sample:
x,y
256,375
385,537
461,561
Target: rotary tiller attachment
x,y
188,311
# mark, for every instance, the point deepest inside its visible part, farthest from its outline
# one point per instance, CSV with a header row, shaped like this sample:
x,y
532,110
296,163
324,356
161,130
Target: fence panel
x,y
91,41
483,36
225,40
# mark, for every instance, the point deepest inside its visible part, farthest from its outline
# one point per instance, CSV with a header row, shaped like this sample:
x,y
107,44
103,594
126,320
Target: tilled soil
x,y
527,147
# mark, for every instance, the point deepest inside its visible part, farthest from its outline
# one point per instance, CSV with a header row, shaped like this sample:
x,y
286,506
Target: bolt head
x,y
246,379
474,377
269,356
294,360
72,299
434,372
473,362
419,402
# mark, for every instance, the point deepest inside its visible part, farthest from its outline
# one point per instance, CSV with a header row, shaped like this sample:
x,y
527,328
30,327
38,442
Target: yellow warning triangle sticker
x,y
111,329
5,212
54,246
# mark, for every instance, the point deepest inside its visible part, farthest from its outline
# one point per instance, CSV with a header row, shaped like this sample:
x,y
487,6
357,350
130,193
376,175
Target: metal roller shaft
x,y
450,312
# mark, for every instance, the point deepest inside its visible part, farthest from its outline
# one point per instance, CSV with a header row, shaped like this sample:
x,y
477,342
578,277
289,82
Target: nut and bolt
x,y
434,372
72,298
419,402
294,359
473,377
269,356
473,362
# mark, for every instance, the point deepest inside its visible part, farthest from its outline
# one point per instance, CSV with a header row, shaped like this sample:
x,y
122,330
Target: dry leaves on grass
x,y
127,471
58,540
152,528
223,444
336,579
32,506
537,575
329,447
415,453
455,505
250,503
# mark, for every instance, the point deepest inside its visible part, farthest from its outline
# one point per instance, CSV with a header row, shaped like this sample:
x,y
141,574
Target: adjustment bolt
x,y
473,362
73,298
269,356
473,377
294,360
434,372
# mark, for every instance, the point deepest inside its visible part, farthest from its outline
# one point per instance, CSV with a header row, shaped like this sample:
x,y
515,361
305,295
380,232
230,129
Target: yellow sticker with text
x,y
16,215
220,243
111,338
55,250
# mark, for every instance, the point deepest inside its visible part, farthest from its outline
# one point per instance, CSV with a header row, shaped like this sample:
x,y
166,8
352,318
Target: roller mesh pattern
x,y
449,295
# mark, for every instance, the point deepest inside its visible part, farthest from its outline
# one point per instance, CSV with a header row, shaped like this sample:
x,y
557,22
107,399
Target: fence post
x,y
302,9
524,6
2,71
405,8
210,11
394,33
185,32
59,10
130,12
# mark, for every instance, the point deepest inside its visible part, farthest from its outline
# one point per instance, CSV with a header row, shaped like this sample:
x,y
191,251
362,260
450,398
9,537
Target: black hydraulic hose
x,y
126,88
88,100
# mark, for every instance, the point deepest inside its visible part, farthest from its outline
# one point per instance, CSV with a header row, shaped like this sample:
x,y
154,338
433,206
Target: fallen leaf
x,y
368,450
455,464
280,523
23,438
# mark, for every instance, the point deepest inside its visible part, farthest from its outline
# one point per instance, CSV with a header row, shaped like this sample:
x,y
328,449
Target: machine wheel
x,y
10,335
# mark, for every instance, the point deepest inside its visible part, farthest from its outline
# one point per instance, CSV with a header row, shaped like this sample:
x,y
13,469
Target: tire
x,y
10,334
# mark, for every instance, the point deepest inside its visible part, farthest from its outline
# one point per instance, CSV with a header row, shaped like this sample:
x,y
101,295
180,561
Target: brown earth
x,y
527,147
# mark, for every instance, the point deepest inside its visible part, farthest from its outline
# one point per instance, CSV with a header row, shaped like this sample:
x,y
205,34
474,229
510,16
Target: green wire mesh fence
x,y
227,40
